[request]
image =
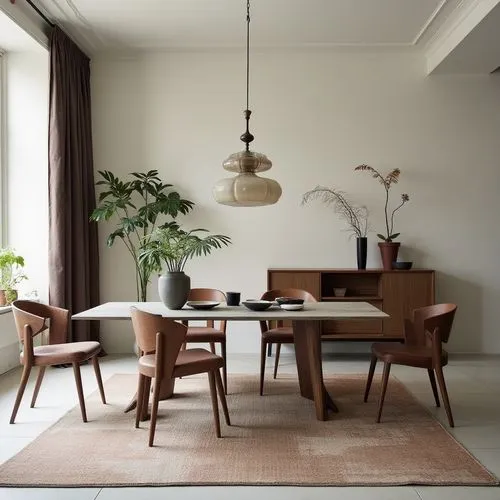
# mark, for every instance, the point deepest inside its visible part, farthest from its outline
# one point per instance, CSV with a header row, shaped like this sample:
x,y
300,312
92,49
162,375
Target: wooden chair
x,y
159,340
208,333
32,318
424,335
278,334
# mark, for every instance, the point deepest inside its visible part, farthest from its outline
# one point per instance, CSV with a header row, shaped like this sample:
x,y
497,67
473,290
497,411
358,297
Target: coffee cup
x,y
233,298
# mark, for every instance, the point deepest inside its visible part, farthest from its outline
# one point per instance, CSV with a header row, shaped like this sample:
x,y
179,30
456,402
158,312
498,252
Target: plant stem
x,y
385,210
393,212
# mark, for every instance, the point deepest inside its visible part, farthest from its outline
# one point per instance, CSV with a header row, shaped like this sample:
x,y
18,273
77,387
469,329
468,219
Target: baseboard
x,y
9,357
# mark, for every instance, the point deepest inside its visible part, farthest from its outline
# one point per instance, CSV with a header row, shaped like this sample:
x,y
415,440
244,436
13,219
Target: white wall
x,y
316,115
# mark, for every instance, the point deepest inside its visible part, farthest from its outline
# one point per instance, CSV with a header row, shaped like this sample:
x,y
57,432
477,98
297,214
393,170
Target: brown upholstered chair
x,y
274,332
32,318
159,340
209,333
424,335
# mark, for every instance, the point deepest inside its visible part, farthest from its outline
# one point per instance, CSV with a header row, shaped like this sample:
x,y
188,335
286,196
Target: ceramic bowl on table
x,y
289,300
257,305
202,304
291,307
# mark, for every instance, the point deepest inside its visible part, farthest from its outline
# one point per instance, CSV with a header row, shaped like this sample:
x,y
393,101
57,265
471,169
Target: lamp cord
x,y
247,137
248,48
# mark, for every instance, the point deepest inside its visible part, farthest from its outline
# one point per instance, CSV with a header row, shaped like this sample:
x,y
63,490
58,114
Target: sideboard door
x,y
308,281
403,292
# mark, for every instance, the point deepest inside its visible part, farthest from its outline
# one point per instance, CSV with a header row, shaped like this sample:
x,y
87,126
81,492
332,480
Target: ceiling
x,y
109,25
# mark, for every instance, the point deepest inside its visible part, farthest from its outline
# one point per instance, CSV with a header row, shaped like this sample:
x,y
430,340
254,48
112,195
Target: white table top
x,y
311,311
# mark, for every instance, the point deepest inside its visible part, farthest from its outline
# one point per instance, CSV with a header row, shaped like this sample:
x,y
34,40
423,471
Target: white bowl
x,y
292,307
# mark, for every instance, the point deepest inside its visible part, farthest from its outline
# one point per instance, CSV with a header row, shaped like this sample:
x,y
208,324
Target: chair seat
x,y
72,352
401,354
283,335
189,362
204,334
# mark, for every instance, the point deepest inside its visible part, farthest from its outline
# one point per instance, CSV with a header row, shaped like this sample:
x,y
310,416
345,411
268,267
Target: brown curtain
x,y
73,245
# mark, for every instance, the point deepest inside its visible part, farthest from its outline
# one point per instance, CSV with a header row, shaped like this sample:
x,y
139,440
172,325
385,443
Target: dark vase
x,y
389,253
173,288
361,246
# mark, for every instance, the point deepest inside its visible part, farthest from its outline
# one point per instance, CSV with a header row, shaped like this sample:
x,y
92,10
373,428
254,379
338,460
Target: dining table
x,y
306,332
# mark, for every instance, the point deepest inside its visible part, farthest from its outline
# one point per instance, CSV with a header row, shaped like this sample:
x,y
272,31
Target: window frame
x,y
3,148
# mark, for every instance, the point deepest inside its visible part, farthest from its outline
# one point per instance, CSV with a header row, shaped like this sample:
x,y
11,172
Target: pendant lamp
x,y
247,189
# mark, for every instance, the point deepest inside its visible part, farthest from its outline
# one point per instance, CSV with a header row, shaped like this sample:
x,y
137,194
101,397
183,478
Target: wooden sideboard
x,y
395,292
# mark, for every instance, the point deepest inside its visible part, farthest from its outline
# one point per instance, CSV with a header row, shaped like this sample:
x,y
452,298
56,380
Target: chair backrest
x,y
208,294
431,317
295,293
159,335
34,316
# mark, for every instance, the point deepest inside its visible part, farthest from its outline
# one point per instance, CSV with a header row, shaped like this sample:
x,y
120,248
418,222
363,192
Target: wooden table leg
x,y
307,340
166,392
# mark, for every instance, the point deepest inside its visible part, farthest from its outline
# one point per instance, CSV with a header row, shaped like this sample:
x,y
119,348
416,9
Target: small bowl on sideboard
x,y
400,265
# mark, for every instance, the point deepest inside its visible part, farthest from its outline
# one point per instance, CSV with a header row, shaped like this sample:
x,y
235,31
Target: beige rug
x,y
274,440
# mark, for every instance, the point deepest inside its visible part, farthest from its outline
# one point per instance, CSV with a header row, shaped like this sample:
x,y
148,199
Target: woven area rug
x,y
274,440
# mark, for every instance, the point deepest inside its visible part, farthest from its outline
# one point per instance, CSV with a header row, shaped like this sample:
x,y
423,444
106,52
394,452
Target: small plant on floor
x,y
11,274
387,181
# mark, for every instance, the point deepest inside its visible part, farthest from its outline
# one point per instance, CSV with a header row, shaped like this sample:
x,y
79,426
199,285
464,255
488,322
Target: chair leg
x,y
432,378
154,411
224,368
39,378
277,359
22,386
262,365
212,347
215,406
385,379
145,398
97,371
369,380
222,396
269,350
140,398
79,388
444,394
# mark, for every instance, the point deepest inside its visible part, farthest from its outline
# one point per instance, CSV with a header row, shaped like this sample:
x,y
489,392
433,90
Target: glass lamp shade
x,y
247,190
247,161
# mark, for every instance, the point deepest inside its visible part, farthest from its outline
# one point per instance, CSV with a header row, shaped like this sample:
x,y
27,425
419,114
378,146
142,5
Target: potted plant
x,y
11,274
171,246
356,217
388,248
137,206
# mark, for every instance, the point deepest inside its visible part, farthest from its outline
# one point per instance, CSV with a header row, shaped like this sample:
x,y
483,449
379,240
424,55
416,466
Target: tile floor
x,y
473,384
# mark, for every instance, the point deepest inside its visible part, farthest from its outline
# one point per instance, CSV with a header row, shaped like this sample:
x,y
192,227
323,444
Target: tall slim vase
x,y
361,247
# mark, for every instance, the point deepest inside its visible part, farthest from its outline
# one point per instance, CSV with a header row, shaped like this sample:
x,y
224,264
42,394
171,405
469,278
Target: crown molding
x,y
27,20
428,23
466,16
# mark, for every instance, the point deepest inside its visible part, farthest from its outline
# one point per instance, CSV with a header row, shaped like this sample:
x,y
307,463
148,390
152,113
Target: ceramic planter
x,y
173,288
389,253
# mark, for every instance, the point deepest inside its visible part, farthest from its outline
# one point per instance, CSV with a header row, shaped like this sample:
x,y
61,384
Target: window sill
x,y
5,309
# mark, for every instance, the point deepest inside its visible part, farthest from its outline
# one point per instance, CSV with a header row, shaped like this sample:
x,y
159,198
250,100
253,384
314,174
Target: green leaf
x,y
382,237
393,236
